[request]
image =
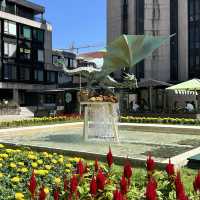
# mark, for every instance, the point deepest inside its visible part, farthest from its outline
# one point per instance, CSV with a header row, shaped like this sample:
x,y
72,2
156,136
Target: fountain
x,y
101,121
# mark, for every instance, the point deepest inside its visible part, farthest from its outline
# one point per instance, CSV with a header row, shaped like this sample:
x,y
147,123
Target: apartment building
x,y
26,68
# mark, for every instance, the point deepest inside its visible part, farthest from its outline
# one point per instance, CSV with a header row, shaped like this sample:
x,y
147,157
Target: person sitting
x,y
135,107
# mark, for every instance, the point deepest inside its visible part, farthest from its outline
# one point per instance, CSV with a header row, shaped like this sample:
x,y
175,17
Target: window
x,y
10,49
10,72
50,99
38,75
25,50
40,55
51,77
24,74
10,28
38,35
25,32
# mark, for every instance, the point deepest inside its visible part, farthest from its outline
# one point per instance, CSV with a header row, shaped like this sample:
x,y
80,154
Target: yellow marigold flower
x,y
46,190
17,150
48,167
1,159
4,155
9,150
19,196
57,180
32,157
61,160
40,162
41,172
67,171
54,161
46,154
68,165
1,146
24,170
15,179
13,165
20,163
34,164
1,164
1,175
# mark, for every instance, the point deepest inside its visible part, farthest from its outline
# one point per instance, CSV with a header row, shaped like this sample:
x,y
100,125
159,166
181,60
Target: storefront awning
x,y
153,83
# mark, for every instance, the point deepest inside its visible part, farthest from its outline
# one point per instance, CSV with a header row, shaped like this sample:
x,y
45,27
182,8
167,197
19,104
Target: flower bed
x,y
25,174
130,119
41,121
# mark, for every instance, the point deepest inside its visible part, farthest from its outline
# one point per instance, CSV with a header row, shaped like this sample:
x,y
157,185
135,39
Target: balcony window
x,y
10,72
25,32
10,49
40,54
10,28
25,50
24,74
51,77
38,35
38,75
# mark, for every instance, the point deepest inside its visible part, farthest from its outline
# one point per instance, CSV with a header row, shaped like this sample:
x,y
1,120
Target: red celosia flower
x,y
151,190
32,185
180,191
123,185
128,171
65,183
56,194
101,180
73,184
150,164
96,165
93,187
42,194
117,195
80,168
196,182
110,158
170,168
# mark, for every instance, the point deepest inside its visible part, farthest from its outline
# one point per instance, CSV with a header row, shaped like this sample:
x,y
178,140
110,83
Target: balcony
x,y
16,12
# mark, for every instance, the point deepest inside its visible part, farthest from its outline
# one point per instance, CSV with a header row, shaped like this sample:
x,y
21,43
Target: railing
x,y
12,11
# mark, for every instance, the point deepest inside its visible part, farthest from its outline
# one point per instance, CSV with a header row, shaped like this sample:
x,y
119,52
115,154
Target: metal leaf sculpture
x,y
124,52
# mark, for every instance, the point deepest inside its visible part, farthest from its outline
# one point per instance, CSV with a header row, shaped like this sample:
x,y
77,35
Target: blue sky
x,y
80,21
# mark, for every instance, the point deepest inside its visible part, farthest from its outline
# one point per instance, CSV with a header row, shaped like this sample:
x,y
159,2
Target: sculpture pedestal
x,y
101,121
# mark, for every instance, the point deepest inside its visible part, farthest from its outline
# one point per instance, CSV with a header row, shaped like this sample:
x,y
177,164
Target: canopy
x,y
191,85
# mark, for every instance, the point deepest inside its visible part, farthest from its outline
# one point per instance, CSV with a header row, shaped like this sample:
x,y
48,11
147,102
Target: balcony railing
x,y
14,12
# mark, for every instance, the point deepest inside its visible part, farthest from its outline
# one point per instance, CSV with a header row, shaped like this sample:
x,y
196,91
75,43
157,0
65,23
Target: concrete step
x,y
25,111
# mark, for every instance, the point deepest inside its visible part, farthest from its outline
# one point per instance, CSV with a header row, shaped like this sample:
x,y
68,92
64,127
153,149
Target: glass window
x,y
38,35
10,28
26,32
10,72
24,74
10,49
38,75
51,77
25,50
40,55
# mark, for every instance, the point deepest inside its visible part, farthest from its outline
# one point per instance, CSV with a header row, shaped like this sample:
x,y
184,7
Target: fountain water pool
x,y
101,121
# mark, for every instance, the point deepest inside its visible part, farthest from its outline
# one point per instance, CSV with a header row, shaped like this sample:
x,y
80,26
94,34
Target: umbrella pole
x,y
150,99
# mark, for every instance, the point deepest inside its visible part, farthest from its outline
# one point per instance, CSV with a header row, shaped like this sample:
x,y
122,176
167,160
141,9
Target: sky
x,y
82,22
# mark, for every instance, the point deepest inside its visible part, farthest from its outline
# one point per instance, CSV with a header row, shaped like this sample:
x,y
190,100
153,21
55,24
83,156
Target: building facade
x,y
176,60
26,68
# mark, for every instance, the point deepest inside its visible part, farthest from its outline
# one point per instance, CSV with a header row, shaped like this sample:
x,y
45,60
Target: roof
x,y
191,85
95,54
28,4
152,83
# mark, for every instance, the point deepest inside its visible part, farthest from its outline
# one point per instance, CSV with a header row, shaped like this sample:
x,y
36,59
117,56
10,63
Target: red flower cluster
x,y
96,165
117,195
196,183
101,180
56,194
42,194
32,185
123,185
170,169
93,187
150,164
110,158
128,171
151,189
180,191
80,168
